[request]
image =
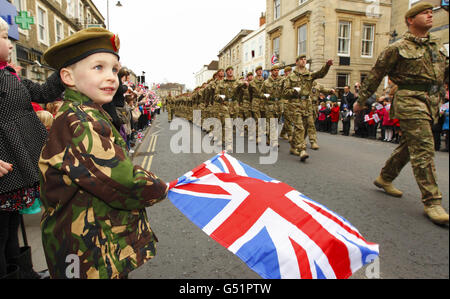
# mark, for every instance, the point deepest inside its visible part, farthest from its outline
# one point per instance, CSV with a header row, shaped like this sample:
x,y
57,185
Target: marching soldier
x,y
417,64
226,93
170,102
272,92
286,132
246,108
255,89
297,89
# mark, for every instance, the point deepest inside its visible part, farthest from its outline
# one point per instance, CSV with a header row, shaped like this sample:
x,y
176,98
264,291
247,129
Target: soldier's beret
x,y
229,68
418,8
287,69
258,68
249,74
81,45
276,67
300,57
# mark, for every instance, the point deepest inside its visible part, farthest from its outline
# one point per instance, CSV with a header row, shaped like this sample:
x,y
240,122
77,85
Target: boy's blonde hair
x,y
3,25
45,117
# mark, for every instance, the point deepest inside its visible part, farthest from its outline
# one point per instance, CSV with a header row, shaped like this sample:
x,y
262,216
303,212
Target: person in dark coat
x,y
119,99
22,136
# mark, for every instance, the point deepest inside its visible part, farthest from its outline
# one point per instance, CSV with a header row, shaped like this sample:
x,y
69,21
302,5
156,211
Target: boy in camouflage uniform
x,y
417,64
94,197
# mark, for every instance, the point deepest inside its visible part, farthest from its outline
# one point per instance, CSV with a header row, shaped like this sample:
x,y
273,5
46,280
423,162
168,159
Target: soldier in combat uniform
x,y
417,64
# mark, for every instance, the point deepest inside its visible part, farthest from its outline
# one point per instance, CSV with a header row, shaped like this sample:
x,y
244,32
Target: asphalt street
x,y
339,176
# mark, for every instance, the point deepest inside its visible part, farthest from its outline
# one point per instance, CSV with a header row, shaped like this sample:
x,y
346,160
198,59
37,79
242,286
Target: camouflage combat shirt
x,y
415,65
94,197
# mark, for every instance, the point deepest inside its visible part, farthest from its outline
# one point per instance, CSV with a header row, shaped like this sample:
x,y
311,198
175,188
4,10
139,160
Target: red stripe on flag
x,y
264,195
337,220
228,164
303,262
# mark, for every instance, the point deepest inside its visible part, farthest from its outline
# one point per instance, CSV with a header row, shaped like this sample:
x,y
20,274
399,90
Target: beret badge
x,y
115,41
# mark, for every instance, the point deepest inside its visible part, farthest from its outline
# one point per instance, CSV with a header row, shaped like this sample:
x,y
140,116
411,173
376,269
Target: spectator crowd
x,y
373,122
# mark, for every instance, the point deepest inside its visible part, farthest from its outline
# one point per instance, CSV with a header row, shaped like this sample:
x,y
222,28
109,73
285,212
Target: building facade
x,y
440,20
231,54
351,32
206,72
254,50
174,88
54,20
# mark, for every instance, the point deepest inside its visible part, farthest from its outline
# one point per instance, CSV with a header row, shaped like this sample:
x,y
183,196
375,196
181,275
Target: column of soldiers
x,y
290,98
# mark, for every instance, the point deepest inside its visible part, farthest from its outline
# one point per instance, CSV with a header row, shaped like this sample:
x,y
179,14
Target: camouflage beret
x,y
81,45
249,74
300,57
258,68
276,67
229,68
418,8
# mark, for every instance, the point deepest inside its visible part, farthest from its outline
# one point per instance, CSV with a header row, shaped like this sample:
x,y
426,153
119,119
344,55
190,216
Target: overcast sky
x,y
172,39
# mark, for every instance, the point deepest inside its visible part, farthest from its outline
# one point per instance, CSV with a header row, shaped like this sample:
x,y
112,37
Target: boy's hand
x,y
5,168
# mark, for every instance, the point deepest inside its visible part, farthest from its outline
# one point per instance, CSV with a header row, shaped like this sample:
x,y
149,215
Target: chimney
x,y
262,19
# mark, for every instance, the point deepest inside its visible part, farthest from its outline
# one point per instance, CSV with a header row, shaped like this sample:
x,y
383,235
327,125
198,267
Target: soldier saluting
x,y
417,64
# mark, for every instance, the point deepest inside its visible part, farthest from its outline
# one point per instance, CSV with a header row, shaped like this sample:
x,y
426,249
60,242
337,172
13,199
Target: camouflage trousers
x,y
417,146
298,120
246,113
256,111
170,113
310,128
271,127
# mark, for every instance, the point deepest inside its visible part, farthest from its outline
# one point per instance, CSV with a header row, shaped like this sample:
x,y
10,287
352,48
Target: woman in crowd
x,y
22,136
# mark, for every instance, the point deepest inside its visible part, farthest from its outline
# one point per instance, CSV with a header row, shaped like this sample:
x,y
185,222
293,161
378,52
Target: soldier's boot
x,y
434,210
294,152
284,136
303,156
388,187
315,146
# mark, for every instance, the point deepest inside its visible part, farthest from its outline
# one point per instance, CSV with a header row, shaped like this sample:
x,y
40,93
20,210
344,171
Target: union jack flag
x,y
277,231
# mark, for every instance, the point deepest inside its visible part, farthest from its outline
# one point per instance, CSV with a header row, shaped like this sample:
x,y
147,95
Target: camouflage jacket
x,y
417,66
305,81
94,197
273,87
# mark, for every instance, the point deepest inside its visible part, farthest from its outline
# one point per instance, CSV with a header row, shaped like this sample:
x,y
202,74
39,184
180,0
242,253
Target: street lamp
x,y
118,4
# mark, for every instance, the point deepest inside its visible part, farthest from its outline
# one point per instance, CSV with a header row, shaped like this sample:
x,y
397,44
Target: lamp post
x,y
118,4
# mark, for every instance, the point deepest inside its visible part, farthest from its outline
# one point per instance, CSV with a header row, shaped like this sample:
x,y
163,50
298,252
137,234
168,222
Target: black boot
x,y
25,264
12,272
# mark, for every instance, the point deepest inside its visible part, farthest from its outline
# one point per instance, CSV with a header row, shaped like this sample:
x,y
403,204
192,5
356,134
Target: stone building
x,y
174,88
206,72
351,32
254,48
231,54
54,20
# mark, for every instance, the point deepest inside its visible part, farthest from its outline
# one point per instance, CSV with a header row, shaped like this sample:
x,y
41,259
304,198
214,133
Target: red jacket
x,y
334,115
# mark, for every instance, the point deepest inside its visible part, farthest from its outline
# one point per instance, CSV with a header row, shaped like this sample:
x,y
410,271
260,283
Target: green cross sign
x,y
23,20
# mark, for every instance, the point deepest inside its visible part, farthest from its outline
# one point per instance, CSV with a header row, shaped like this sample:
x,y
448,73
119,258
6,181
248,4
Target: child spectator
x,y
388,124
334,117
324,111
94,197
372,122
